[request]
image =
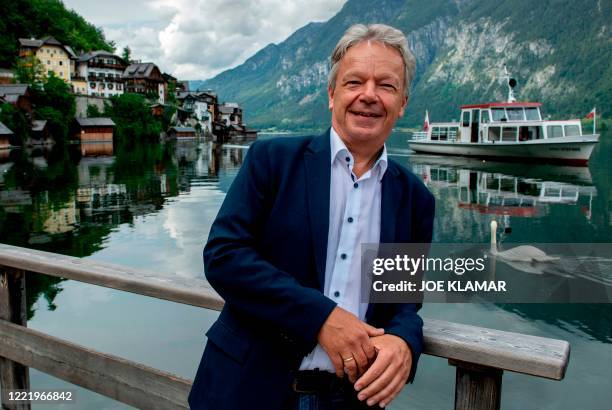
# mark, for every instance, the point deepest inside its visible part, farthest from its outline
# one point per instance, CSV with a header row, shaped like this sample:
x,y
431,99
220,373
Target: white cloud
x,y
197,39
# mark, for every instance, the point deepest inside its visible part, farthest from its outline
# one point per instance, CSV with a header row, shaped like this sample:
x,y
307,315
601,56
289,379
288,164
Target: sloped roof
x,y
39,125
95,122
139,70
227,110
97,53
4,130
182,129
49,40
13,89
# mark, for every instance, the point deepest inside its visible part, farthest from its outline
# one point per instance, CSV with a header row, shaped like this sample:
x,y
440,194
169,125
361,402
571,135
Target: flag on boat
x,y
591,114
426,122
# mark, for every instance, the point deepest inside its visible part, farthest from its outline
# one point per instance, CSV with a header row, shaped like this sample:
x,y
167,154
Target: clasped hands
x,y
377,363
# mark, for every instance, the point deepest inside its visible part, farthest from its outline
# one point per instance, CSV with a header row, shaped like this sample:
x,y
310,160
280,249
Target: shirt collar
x,y
339,149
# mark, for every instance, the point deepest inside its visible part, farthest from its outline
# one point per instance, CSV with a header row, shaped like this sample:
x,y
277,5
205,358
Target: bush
x,y
17,121
133,118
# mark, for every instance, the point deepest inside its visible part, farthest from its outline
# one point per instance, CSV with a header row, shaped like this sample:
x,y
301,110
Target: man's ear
x,y
404,104
330,96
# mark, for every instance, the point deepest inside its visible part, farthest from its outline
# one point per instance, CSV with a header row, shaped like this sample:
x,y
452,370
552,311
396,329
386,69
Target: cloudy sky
x,y
197,39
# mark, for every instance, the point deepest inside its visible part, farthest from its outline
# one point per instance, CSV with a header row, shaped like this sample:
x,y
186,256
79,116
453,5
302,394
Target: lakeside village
x,y
96,81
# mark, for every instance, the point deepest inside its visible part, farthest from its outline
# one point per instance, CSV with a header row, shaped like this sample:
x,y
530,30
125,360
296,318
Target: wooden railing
x,y
479,354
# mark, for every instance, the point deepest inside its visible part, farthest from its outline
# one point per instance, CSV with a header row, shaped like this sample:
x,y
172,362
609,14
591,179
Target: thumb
x,y
374,331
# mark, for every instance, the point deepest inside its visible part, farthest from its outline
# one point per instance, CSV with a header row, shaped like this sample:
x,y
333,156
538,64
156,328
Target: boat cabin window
x,y
494,133
533,114
509,133
465,122
554,131
530,133
484,116
515,114
572,130
499,114
439,133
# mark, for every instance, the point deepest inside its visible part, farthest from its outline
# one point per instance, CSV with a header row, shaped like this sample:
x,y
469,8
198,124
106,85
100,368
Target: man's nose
x,y
369,92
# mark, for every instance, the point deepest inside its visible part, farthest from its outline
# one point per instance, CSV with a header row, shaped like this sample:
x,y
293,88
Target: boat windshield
x,y
499,114
515,114
533,114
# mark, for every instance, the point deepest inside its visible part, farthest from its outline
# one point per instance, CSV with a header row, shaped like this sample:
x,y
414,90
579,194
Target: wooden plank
x,y
532,355
537,356
477,387
123,380
190,291
13,375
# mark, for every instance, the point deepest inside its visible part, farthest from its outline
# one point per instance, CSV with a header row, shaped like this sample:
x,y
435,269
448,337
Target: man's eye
x,y
388,86
352,82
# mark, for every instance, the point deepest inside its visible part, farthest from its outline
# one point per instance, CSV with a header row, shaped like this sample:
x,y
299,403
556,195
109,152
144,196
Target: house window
x,y
119,87
61,73
102,86
92,85
61,63
110,86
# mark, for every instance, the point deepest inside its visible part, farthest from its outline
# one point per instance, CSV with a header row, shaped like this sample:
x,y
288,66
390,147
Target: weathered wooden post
x,y
13,376
477,387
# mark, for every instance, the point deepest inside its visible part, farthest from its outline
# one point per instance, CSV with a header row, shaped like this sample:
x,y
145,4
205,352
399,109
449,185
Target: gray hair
x,y
381,33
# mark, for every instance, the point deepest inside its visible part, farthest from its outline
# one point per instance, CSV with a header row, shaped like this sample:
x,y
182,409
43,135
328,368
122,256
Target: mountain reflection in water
x,y
151,207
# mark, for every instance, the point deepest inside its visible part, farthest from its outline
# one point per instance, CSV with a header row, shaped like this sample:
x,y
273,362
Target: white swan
x,y
522,253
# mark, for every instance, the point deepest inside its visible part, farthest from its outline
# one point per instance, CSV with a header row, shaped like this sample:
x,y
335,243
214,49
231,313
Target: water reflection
x,y
69,200
483,188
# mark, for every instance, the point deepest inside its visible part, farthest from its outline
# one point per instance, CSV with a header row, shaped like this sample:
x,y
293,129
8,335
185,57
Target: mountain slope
x,y
39,18
558,50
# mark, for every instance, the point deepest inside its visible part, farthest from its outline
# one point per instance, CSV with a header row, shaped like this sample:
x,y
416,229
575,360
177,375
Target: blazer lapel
x,y
391,196
390,201
317,161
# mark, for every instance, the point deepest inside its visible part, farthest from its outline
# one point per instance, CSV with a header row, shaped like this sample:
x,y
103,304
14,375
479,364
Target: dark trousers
x,y
324,391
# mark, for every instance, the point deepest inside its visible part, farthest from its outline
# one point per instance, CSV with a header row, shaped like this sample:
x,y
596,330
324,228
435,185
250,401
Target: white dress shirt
x,y
354,218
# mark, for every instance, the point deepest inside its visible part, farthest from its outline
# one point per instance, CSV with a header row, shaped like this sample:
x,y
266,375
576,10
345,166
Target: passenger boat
x,y
507,130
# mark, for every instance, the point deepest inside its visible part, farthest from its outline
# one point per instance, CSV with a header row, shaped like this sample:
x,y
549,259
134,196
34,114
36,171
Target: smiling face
x,y
369,95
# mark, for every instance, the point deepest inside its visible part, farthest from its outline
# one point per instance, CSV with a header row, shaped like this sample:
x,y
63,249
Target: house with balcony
x,y
230,114
199,106
54,56
99,73
145,79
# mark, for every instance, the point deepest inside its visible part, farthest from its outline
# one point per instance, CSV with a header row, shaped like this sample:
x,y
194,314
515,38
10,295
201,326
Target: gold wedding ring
x,y
349,359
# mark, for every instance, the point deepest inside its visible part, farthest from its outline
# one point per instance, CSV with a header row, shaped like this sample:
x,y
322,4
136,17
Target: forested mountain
x,y
40,18
559,50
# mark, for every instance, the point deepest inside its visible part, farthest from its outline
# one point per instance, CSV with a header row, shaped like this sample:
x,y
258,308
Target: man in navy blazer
x,y
284,338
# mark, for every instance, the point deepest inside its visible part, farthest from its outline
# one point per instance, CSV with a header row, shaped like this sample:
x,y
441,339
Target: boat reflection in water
x,y
504,189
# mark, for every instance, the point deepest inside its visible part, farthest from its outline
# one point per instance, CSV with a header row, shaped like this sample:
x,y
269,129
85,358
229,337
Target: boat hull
x,y
570,150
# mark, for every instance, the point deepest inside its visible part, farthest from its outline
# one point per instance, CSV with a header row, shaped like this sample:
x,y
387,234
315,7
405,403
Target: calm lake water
x,y
151,208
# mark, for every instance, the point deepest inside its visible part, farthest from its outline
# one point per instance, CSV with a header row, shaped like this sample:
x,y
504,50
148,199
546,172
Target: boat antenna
x,y
511,82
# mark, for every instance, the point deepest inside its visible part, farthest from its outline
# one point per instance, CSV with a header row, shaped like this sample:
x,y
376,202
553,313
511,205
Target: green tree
x,y
29,70
41,18
55,103
17,121
93,111
133,118
126,54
